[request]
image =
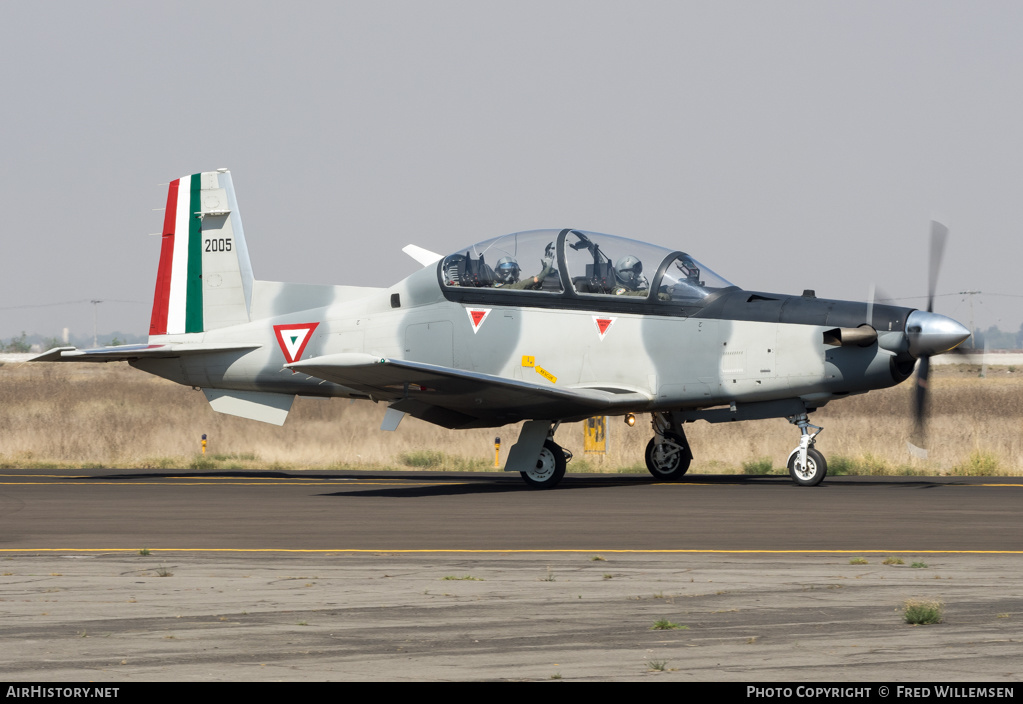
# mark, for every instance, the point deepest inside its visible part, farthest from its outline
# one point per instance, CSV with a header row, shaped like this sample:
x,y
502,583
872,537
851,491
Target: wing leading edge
x,y
456,398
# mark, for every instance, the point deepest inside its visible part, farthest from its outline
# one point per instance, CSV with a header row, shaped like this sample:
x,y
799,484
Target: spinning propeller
x,y
929,334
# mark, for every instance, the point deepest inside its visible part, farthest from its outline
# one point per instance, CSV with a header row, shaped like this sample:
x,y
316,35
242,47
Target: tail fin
x,y
205,278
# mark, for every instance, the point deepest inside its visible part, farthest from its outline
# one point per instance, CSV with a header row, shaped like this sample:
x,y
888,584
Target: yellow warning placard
x,y
528,360
595,438
547,375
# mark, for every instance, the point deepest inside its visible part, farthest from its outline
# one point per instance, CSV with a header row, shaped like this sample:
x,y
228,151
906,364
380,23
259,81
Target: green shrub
x,y
434,459
666,625
979,464
758,467
923,612
424,459
839,466
202,462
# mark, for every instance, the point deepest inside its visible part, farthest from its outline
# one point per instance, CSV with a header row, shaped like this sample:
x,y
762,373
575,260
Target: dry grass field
x,y
109,415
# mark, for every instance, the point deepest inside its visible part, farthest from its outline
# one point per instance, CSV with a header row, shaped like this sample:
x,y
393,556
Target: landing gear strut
x,y
667,454
806,464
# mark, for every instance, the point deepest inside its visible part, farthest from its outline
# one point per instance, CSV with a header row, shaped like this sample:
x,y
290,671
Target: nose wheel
x,y
808,473
806,464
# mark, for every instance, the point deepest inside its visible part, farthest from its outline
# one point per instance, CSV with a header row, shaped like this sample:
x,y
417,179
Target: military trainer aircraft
x,y
546,327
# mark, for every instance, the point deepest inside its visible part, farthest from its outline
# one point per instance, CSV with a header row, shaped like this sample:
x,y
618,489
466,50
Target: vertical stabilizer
x,y
205,278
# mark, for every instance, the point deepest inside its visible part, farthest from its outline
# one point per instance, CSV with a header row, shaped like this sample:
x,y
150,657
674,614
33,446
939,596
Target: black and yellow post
x,y
595,438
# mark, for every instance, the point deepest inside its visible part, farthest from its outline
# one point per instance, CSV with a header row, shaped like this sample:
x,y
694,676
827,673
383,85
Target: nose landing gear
x,y
806,464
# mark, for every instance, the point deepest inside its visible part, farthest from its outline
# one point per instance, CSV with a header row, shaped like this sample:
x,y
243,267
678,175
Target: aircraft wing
x,y
456,398
123,353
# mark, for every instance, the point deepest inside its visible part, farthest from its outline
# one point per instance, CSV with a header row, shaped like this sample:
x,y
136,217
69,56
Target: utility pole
x,y
95,316
971,294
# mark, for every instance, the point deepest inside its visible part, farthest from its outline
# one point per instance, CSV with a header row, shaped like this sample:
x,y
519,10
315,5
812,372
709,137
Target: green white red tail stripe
x,y
177,303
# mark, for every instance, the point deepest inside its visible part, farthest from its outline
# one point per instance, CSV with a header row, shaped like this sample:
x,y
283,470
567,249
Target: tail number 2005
x,y
222,244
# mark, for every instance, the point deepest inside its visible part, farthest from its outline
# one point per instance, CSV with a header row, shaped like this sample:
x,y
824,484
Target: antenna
x,y
95,315
971,294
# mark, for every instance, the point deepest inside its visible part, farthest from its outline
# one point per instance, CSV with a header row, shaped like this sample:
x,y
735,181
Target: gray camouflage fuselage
x,y
741,348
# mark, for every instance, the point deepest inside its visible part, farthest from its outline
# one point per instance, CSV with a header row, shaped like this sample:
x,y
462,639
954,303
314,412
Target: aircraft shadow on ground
x,y
492,485
441,484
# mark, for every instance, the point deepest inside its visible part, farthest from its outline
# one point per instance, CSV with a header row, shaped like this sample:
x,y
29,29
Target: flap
x,y
474,397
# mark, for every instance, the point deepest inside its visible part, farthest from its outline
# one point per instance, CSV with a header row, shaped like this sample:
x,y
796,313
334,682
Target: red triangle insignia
x,y
293,339
477,316
603,325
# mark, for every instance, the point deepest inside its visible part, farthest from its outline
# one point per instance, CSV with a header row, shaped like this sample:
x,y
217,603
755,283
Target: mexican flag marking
x,y
477,316
603,325
293,339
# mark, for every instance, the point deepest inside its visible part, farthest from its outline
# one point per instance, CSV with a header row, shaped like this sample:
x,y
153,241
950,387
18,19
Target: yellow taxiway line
x,y
316,481
497,551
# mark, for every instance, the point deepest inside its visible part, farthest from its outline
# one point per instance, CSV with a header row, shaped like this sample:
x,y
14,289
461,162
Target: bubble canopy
x,y
579,264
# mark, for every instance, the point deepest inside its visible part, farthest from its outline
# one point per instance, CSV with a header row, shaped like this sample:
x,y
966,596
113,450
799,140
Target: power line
x,y
69,303
954,293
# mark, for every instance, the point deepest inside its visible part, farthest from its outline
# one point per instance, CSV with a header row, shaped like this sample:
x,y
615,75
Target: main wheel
x,y
666,458
550,467
813,473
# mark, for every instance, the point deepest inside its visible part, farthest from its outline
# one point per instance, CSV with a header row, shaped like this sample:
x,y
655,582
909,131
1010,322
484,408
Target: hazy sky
x,y
787,145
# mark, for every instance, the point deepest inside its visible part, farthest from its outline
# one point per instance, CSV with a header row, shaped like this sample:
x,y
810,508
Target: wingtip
x,y
52,355
424,256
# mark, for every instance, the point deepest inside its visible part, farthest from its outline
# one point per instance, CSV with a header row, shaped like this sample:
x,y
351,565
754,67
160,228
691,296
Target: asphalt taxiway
x,y
356,575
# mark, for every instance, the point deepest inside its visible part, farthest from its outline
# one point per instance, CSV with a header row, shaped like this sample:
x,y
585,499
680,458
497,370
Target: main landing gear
x,y
807,466
550,464
668,455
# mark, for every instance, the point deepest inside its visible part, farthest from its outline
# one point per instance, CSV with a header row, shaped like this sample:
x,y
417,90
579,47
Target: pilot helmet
x,y
508,270
629,270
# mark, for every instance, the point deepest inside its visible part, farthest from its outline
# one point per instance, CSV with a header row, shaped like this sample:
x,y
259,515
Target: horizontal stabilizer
x,y
263,406
122,353
421,389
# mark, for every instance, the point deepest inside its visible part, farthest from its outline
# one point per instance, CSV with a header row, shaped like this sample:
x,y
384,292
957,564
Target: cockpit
x,y
578,264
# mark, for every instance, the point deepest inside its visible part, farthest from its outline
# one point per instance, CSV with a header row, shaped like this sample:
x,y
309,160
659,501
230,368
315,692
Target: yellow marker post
x,y
204,443
497,452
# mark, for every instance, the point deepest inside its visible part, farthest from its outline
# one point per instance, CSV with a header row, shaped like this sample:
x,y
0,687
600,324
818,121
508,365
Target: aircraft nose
x,y
930,333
